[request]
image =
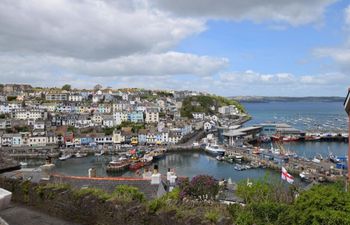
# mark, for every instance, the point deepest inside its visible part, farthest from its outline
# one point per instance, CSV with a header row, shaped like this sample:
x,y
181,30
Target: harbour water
x,y
193,163
322,117
307,116
187,164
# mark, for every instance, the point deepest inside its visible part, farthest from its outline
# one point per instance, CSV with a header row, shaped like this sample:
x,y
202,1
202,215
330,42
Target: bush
x,y
128,193
212,215
326,204
92,191
201,186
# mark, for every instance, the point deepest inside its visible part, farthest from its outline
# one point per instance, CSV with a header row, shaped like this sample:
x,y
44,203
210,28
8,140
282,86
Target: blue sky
x,y
227,47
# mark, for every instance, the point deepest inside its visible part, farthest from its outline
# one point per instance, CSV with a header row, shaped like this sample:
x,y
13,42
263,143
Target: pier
x,y
322,171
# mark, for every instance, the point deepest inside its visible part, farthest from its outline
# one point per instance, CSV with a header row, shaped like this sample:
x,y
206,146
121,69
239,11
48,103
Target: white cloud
x,y
347,15
89,29
282,84
169,63
294,12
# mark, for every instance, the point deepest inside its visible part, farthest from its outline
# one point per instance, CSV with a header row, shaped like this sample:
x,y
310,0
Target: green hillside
x,y
206,104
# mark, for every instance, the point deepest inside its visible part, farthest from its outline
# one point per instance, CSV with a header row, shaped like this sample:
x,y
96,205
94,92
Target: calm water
x,y
308,116
324,116
185,164
313,116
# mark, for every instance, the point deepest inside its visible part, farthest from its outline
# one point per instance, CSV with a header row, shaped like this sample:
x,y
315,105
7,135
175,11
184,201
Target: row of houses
x,y
143,137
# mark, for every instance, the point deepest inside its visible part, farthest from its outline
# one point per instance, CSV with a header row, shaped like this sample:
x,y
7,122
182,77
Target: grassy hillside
x,y
206,104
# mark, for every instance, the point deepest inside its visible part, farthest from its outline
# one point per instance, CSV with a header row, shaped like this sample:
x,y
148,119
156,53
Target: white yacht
x,y
215,150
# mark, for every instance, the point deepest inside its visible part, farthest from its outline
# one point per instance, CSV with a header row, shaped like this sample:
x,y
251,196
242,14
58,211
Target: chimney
x,y
156,176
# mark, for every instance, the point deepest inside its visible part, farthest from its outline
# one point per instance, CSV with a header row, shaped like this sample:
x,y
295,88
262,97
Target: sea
x,y
309,116
317,117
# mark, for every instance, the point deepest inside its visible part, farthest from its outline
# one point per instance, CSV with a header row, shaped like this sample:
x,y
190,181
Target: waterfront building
x,y
37,141
87,140
117,137
16,140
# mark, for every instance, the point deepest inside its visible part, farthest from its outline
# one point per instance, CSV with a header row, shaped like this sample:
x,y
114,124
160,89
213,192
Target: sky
x,y
224,47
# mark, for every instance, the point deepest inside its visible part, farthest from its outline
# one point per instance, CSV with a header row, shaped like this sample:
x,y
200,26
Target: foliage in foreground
x,y
267,202
273,203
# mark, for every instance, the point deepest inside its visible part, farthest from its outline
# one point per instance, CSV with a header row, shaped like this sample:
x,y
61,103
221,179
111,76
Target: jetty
x,y
322,170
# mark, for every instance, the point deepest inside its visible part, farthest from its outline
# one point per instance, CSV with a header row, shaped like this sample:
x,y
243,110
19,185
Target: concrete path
x,y
22,215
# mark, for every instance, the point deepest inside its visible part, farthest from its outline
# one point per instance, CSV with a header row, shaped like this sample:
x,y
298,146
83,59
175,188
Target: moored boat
x,y
158,154
214,150
65,157
290,138
80,155
219,158
136,165
117,166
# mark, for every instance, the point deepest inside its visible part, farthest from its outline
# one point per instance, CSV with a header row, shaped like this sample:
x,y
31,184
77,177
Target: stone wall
x,y
63,202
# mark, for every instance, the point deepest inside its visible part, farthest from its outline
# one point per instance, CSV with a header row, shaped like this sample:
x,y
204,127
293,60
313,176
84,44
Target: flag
x,y
286,176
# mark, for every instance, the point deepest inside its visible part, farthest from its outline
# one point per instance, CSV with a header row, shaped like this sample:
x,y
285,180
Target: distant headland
x,y
263,99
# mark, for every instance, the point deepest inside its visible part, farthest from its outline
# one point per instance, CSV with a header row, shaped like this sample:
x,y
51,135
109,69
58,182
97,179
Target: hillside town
x,y
71,118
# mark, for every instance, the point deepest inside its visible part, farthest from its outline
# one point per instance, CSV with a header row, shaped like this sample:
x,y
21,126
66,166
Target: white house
x,y
37,141
39,125
108,120
75,98
97,119
24,114
207,126
152,115
119,117
198,115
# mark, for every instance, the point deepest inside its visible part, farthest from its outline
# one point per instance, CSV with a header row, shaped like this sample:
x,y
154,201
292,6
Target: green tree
x,y
322,204
67,87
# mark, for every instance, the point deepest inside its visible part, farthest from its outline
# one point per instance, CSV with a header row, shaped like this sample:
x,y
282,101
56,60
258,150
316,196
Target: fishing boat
x,y
136,165
65,157
80,155
305,176
100,153
316,160
312,137
333,158
256,151
219,158
239,158
214,150
158,154
290,138
276,137
238,167
23,164
117,166
147,159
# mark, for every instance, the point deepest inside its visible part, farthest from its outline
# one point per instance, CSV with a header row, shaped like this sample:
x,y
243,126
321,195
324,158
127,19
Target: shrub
x,y
201,186
92,191
128,193
212,215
